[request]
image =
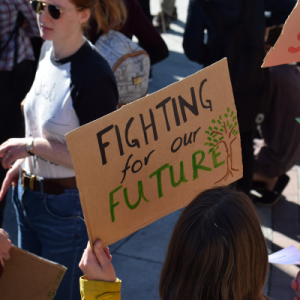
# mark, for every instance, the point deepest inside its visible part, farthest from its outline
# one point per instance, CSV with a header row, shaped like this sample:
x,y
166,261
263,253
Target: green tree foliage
x,y
224,126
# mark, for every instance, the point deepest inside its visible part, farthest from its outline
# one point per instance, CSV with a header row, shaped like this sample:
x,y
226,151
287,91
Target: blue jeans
x,y
48,227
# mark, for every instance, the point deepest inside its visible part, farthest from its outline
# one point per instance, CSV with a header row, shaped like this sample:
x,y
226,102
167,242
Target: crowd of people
x,y
51,69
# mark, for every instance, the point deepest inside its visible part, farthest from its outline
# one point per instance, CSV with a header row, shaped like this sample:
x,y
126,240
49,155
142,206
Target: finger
x,y
109,256
5,186
3,148
100,254
3,160
6,256
10,160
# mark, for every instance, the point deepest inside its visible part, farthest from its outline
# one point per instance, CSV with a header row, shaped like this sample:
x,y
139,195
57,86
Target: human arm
x,y
193,43
11,178
296,286
5,245
100,280
149,39
280,10
15,148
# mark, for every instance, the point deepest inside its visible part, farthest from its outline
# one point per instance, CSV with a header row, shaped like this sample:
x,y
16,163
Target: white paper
x,y
287,256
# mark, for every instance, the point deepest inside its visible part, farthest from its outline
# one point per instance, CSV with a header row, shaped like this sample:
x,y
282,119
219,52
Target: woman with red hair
x,y
74,85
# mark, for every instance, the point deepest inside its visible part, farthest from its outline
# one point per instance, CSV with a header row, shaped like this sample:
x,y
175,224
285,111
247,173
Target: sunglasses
x,y
39,8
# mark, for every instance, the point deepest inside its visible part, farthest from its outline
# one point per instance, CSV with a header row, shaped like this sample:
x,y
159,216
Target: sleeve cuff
x,y
100,286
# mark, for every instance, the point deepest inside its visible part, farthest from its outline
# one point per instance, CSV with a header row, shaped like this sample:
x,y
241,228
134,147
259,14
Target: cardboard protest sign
x,y
155,155
287,48
27,276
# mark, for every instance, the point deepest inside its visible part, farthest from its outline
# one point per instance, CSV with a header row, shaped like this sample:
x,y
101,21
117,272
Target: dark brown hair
x,y
217,251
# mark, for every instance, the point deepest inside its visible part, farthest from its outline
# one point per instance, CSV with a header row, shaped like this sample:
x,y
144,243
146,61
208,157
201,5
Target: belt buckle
x,y
31,182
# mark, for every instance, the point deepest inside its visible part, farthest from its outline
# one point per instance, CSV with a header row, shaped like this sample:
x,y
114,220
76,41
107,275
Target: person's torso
x,y
49,113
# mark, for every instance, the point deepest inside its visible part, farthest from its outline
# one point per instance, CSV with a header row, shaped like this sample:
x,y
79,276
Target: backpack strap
x,y
14,33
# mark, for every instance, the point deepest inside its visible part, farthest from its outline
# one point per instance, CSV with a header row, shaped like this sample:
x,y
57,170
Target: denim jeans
x,y
48,227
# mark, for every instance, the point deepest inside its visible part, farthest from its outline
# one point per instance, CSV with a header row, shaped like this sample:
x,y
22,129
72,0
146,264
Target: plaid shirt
x,y
8,14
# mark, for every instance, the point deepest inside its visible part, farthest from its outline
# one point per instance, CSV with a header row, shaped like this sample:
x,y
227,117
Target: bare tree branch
x,y
220,133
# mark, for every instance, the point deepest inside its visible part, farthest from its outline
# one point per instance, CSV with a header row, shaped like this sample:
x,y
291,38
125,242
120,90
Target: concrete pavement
x,y
138,258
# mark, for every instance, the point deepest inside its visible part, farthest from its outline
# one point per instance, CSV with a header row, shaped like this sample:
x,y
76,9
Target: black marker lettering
x,y
152,124
146,159
127,167
184,104
173,144
195,132
187,141
135,142
163,105
200,93
141,165
119,140
102,145
176,115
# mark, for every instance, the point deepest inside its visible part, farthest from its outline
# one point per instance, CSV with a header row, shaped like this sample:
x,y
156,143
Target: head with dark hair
x,y
217,251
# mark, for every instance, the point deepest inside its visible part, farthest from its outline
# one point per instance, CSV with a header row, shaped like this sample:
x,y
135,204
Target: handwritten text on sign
x,y
155,155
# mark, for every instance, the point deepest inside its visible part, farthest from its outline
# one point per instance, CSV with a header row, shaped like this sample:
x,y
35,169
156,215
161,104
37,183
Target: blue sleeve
x,y
280,10
193,44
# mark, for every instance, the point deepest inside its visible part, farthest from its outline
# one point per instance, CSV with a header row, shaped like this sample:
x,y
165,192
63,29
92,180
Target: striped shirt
x,y
8,14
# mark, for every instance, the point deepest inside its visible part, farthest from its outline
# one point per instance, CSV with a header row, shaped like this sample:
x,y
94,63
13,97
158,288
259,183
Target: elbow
x,y
192,53
189,50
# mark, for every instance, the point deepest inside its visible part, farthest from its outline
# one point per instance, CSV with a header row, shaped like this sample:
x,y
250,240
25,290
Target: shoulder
x,y
89,66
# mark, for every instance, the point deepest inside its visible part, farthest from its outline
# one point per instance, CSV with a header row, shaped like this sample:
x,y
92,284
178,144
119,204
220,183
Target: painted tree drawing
x,y
223,132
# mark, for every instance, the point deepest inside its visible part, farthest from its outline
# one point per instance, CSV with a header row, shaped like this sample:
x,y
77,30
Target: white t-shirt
x,y
66,94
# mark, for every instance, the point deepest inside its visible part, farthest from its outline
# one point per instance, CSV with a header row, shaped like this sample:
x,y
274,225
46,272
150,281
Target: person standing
x,y
236,30
18,27
74,85
169,12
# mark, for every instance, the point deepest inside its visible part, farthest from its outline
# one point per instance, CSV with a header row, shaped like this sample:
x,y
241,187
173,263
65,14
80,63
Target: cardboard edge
x,y
265,62
50,263
69,139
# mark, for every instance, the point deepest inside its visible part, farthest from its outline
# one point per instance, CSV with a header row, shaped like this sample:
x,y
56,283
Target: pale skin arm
x,y
14,151
97,266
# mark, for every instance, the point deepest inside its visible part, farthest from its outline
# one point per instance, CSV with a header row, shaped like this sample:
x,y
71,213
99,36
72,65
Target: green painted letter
x,y
198,166
158,176
182,177
214,159
112,205
141,195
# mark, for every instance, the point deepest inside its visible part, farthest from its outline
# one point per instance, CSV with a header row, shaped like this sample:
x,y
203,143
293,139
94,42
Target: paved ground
x,y
138,259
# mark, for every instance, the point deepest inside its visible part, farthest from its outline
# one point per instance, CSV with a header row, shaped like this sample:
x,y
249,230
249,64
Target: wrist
x,y
29,146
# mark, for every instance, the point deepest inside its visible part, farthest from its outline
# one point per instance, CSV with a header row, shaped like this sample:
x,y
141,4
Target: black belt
x,y
53,186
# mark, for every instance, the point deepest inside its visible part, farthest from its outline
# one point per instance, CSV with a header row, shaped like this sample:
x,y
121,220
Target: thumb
x,y
100,254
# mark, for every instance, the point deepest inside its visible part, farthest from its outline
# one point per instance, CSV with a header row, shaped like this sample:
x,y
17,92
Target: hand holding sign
x,y
155,155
